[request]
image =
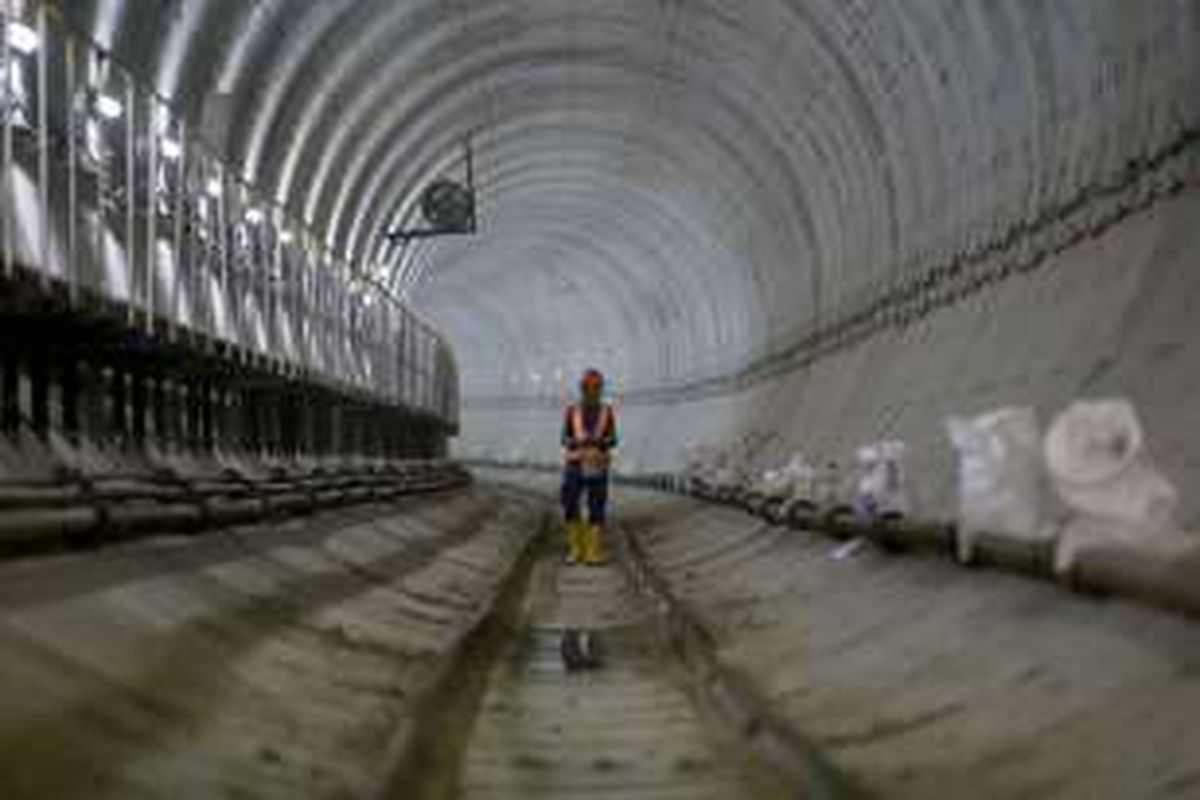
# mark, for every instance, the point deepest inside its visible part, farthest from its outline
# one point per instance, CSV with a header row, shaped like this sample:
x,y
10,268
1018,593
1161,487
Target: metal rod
x,y
151,214
222,241
6,208
471,181
175,317
72,179
409,235
10,392
130,194
43,124
268,268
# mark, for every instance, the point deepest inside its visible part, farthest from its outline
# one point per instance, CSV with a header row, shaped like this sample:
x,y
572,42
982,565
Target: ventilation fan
x,y
448,207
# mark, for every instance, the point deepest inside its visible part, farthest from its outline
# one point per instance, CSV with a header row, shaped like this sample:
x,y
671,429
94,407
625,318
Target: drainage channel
x,y
567,691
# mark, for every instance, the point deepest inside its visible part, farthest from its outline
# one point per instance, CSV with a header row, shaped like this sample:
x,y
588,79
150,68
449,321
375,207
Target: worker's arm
x,y
568,437
608,439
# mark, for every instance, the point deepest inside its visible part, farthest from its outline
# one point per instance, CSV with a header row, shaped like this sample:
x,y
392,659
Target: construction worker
x,y
589,435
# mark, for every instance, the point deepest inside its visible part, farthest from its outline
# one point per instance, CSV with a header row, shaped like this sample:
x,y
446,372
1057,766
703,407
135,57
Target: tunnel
x,y
895,307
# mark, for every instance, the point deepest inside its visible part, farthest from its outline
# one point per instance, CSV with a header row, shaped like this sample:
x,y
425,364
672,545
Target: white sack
x,y
999,473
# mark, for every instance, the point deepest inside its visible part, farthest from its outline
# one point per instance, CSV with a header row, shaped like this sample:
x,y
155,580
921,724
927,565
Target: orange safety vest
x,y
589,456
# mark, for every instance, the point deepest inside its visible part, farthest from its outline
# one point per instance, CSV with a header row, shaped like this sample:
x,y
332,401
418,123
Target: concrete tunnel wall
x,y
1113,317
1034,134
679,192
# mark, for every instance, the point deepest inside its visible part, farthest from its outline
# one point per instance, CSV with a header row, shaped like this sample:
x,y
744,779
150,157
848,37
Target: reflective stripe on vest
x,y
592,456
579,430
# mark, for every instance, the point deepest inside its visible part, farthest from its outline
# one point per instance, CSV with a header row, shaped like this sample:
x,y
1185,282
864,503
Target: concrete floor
x,y
269,661
290,661
625,730
925,679
300,659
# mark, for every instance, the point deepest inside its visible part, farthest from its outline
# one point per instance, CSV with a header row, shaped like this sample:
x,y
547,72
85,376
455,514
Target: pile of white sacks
x,y
873,488
718,468
1093,455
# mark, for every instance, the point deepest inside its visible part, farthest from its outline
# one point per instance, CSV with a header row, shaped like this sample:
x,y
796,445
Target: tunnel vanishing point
x,y
899,304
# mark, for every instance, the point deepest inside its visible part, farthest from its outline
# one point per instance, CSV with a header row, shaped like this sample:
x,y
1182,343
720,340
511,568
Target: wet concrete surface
x,y
625,728
921,678
292,660
259,662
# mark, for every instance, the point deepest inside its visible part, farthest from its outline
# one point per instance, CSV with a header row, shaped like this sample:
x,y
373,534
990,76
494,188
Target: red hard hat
x,y
592,378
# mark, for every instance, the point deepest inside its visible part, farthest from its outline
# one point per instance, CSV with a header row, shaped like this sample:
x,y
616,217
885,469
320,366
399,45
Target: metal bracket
x,y
406,235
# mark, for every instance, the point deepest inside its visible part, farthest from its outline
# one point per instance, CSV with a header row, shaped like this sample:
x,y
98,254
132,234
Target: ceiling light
x,y
286,237
170,149
22,38
254,216
109,107
214,188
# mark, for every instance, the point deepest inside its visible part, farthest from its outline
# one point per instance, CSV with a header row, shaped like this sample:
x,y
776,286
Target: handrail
x,y
122,183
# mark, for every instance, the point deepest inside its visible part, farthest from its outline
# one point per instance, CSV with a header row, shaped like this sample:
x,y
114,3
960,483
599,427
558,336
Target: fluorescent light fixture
x,y
16,80
22,38
109,107
170,149
254,216
214,188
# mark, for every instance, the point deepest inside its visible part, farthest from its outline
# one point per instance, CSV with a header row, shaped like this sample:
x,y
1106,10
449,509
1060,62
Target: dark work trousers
x,y
575,483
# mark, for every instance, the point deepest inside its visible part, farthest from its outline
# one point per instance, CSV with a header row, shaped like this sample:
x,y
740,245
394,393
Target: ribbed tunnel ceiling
x,y
667,189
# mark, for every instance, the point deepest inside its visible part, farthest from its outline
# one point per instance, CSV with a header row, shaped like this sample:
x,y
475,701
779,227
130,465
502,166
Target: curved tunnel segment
x,y
806,241
727,196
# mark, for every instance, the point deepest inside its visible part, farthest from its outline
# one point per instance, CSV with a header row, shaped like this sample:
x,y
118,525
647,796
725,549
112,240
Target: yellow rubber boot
x,y
576,546
594,545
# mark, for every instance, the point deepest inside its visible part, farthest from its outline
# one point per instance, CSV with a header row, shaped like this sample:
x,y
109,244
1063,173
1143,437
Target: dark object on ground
x,y
580,649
